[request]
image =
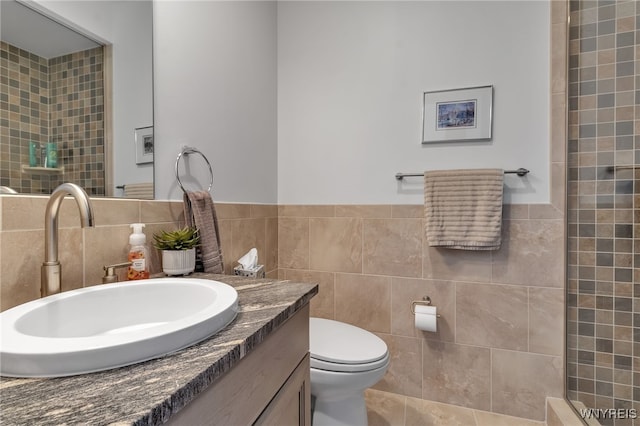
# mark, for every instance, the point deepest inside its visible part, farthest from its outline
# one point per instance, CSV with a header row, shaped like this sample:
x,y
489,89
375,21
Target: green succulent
x,y
180,239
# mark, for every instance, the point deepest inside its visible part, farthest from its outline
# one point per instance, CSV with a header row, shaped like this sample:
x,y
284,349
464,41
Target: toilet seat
x,y
340,347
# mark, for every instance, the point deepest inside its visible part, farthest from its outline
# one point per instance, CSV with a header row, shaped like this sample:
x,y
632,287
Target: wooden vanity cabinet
x,y
270,386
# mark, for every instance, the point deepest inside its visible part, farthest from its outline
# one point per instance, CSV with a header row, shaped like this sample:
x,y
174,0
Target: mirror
x,y
76,96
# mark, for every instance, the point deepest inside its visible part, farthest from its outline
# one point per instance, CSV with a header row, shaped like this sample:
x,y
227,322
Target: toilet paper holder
x,y
426,301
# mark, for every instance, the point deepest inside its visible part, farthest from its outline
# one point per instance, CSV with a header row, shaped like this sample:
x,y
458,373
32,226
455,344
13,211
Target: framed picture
x,y
457,114
144,145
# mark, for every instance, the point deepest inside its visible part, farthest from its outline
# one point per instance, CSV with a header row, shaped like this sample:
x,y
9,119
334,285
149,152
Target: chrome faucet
x,y
51,266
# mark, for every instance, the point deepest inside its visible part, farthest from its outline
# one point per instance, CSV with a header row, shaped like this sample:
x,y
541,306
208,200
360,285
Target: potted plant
x,y
178,250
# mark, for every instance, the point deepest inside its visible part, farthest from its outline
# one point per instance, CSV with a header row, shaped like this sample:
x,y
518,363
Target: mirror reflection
x,y
76,97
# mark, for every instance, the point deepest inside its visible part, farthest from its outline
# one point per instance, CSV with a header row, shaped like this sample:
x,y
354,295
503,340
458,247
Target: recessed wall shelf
x,y
43,170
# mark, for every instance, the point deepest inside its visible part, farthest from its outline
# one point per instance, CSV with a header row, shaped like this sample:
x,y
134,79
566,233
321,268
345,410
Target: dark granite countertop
x,y
149,392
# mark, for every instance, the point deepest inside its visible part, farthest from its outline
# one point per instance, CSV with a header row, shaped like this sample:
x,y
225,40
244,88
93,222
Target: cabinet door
x,y
291,406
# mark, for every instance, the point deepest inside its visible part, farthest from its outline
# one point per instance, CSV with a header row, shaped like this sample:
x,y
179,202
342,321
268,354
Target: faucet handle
x,y
110,272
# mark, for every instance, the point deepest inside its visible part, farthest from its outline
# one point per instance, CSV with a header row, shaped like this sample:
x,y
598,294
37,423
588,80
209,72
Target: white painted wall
x,y
350,82
127,25
215,86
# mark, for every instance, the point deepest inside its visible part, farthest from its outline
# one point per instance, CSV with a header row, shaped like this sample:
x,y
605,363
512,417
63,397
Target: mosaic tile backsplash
x,y
603,329
56,100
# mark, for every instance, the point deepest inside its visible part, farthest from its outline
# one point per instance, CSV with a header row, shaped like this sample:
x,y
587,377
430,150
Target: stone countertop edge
x,y
148,393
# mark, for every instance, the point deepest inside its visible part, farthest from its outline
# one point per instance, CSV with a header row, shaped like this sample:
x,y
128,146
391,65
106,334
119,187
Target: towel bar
x,y
520,172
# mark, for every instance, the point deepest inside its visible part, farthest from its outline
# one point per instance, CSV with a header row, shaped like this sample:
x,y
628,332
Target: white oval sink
x,y
108,326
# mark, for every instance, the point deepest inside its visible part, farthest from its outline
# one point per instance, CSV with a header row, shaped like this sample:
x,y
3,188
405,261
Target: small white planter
x,y
178,262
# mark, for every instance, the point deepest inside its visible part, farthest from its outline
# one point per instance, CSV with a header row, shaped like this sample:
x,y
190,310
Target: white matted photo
x,y
144,145
457,114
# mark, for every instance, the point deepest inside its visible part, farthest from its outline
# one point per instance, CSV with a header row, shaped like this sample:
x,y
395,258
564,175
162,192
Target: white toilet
x,y
345,360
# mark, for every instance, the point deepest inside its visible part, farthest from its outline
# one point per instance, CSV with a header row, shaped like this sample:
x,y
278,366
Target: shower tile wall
x,y
603,341
57,100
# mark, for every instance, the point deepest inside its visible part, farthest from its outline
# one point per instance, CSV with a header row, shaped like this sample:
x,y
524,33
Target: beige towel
x,y
139,190
463,208
200,212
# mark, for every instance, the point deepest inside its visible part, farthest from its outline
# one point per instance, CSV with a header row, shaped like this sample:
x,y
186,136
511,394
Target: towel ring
x,y
190,150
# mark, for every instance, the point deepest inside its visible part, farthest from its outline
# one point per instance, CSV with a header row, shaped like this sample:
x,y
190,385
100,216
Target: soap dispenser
x,y
138,253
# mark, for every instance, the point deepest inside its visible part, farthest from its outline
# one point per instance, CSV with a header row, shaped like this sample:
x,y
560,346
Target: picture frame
x,y
144,144
457,114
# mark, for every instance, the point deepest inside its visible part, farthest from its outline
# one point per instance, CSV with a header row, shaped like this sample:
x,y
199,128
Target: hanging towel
x,y
139,190
200,212
463,208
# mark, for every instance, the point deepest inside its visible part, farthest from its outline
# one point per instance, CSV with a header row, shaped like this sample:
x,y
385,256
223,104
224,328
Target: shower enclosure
x,y
603,190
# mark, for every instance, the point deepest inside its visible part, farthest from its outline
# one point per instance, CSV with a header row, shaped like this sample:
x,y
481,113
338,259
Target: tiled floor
x,y
387,409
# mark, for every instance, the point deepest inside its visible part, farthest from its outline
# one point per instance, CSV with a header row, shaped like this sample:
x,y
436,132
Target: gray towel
x,y
200,212
463,208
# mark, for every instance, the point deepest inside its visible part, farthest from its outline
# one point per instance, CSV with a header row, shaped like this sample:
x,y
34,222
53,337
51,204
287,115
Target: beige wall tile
x,y
115,211
155,256
492,315
384,408
393,247
271,244
70,256
522,381
558,128
544,211
322,305
23,212
484,418
406,360
558,186
22,256
363,211
559,12
457,374
306,211
559,413
264,210
515,211
457,265
247,234
162,211
442,293
546,311
293,243
225,227
400,211
428,413
529,254
558,57
233,210
335,244
106,245
364,301
275,274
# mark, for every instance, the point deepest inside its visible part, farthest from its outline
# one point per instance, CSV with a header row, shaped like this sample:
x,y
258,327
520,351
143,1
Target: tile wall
x,y
57,100
604,183
77,117
499,345
83,252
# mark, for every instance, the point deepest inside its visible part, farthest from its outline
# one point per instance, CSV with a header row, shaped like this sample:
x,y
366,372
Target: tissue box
x,y
258,272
